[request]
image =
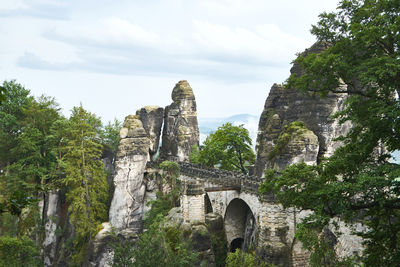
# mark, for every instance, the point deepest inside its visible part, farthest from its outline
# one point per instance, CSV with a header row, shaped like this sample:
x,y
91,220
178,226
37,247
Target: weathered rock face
x,y
100,253
181,131
152,119
302,146
126,208
284,106
200,234
52,210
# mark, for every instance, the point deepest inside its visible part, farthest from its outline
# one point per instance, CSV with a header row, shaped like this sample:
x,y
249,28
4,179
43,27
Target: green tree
x,y
110,137
358,183
229,148
27,158
85,179
19,252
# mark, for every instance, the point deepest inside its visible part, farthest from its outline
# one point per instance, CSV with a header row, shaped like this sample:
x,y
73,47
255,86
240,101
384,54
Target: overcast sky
x,y
115,56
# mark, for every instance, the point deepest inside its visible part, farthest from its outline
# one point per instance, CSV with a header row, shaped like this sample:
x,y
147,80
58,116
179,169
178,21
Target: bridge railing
x,y
222,177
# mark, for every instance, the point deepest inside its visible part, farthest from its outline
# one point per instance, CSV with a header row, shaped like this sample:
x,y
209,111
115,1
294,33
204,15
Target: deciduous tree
x,y
359,182
228,148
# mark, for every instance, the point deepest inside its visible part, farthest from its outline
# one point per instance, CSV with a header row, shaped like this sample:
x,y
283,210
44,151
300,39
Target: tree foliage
x,y
28,162
240,258
40,150
166,200
85,179
358,183
19,252
158,246
229,148
111,137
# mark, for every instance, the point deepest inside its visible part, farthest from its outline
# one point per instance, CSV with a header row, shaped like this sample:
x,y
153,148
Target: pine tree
x,y
85,179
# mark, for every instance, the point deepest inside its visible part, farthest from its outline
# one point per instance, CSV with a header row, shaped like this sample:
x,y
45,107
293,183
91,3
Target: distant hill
x,y
210,125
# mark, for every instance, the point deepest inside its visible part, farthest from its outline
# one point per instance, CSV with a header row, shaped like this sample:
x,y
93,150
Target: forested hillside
x,y
42,151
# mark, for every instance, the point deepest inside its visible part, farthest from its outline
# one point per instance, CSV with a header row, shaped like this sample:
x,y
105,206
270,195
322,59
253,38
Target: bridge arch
x,y
240,225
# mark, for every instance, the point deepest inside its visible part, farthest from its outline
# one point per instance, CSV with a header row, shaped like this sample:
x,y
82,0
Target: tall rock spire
x,y
181,130
133,152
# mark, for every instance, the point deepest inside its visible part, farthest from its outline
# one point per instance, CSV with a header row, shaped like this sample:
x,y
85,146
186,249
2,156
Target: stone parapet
x,y
225,178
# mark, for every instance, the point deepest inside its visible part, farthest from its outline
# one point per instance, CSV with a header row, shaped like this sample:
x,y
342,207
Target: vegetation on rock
x,y
291,130
159,245
358,183
240,258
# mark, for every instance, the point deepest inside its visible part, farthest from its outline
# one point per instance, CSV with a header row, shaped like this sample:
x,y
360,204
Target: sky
x,y
116,56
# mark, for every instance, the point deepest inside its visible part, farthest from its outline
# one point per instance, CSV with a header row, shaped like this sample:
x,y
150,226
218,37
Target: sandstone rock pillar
x,y
181,131
133,152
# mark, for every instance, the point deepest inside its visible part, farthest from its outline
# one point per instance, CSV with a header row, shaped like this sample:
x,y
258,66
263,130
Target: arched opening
x,y
235,244
207,203
239,224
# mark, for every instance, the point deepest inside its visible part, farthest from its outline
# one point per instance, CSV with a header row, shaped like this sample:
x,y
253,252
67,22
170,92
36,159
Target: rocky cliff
x,y
296,127
181,131
135,183
284,106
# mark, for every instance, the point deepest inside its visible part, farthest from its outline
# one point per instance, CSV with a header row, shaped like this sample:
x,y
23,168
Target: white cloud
x,y
123,32
231,51
13,5
230,7
120,46
265,44
110,32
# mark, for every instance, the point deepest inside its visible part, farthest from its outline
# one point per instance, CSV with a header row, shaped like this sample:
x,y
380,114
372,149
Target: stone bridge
x,y
249,219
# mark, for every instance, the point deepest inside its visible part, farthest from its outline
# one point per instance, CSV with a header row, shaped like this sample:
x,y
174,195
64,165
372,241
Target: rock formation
x,y
127,205
181,131
284,106
135,182
133,152
199,233
152,119
52,209
297,127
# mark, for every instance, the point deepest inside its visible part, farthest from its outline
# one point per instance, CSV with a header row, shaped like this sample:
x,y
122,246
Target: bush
x,y
157,246
245,259
19,252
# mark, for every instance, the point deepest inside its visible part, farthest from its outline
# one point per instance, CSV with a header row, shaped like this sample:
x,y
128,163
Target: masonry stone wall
x,y
193,202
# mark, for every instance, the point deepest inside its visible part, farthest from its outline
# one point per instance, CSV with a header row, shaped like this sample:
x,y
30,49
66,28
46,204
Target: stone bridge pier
x,y
193,201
